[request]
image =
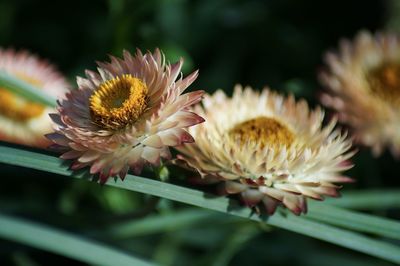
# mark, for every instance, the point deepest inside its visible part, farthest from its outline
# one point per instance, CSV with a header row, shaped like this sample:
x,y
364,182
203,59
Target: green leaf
x,y
167,250
160,223
63,243
367,223
25,89
233,244
290,222
374,199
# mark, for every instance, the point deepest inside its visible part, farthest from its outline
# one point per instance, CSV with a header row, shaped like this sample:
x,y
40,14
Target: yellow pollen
x,y
384,81
264,131
118,102
18,108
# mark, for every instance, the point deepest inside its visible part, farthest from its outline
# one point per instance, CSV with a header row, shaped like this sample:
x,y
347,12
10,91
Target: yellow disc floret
x,y
264,131
384,81
17,108
118,102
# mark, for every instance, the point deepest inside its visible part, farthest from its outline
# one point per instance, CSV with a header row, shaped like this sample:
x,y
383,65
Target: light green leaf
x,y
63,243
160,223
25,89
374,199
367,223
290,222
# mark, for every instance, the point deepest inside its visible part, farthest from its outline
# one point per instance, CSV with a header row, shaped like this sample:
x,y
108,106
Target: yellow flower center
x,y
384,81
18,108
118,102
264,131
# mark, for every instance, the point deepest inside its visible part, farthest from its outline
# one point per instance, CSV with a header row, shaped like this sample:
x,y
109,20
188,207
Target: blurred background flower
x,y
253,42
22,120
363,80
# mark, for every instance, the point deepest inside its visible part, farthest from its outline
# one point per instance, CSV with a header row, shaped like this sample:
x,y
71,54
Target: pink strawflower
x,y
126,115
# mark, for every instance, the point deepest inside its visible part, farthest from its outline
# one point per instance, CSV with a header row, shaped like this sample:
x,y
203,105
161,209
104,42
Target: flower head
x,y
23,121
268,148
363,82
126,115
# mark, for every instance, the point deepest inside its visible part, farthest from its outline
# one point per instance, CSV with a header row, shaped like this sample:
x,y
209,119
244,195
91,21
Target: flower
x,y
126,115
268,148
21,120
363,87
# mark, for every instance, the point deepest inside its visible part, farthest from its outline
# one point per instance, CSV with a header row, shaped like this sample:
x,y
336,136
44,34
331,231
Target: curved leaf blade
x,y
344,238
63,243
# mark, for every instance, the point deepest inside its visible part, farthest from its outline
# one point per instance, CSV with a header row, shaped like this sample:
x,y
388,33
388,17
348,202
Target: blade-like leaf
x,y
290,222
323,212
376,199
233,244
25,89
63,243
161,223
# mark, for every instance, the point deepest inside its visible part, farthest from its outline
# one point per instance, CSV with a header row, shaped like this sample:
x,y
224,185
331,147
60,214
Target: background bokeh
x,y
278,43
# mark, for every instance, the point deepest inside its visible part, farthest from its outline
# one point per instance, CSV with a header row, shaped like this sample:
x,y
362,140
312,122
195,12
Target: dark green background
x,y
279,43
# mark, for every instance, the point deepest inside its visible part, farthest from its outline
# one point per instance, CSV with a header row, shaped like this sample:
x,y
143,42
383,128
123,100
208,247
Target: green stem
x,y
234,244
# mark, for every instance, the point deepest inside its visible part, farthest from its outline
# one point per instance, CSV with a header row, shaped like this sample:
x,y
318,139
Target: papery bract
x,y
126,115
267,148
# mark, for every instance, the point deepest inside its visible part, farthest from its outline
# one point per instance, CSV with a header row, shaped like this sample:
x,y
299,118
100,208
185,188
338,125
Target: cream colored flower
x,y
268,148
363,82
126,115
21,120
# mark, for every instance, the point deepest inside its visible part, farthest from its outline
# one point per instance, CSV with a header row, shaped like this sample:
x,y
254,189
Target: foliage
x,y
49,219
